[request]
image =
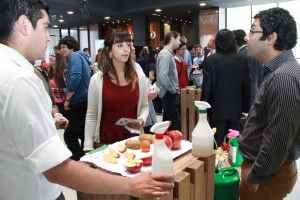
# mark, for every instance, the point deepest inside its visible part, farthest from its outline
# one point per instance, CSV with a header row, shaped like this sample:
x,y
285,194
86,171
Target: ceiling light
x,y
70,12
158,10
55,26
61,20
107,17
154,14
202,4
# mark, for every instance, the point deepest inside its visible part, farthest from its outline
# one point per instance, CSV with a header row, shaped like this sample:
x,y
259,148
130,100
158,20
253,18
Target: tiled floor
x,y
71,194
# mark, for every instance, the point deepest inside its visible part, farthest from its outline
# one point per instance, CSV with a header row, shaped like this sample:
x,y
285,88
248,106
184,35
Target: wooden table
x,y
194,180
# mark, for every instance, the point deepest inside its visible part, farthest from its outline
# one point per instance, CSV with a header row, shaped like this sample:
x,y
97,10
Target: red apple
x,y
147,160
133,166
168,142
176,138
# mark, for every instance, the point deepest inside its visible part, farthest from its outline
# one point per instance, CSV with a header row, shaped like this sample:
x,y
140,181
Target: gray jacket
x,y
167,76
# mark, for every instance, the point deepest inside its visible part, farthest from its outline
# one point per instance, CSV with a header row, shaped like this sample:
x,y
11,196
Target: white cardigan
x,y
94,110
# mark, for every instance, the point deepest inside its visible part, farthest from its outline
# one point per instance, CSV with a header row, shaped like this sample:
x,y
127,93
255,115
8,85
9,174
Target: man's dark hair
x,y
190,47
225,41
11,10
169,36
85,49
239,37
280,21
70,42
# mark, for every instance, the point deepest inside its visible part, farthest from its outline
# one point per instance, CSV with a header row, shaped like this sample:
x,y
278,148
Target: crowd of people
x,y
252,82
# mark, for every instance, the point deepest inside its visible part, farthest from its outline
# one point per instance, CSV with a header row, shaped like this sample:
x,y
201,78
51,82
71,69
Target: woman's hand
x,y
152,95
66,105
136,124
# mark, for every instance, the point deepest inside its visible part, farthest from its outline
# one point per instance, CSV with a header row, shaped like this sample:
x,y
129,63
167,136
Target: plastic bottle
x,y
162,159
227,184
202,135
155,88
234,156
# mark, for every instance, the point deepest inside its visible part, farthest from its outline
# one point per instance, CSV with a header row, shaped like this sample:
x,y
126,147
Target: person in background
x,y
226,85
59,120
255,67
187,56
88,53
56,74
198,66
97,63
191,49
78,78
117,91
270,142
211,47
167,78
34,161
143,58
181,65
151,119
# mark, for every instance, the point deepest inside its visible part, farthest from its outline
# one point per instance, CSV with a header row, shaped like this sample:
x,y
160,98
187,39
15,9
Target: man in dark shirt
x,y
270,142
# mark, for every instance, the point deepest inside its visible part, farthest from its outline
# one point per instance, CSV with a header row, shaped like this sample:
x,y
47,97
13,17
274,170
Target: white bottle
x,y
162,159
202,135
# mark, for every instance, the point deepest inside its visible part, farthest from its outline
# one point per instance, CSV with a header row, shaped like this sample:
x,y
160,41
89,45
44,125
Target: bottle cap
x,y
160,127
159,136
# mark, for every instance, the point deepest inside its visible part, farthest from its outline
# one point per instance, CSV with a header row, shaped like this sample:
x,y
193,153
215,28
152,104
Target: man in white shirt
x,y
34,161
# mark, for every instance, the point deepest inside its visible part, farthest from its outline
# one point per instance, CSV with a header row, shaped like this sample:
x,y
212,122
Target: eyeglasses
x,y
254,31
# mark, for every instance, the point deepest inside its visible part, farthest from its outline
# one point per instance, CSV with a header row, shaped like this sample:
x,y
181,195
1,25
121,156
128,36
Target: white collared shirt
x,y
29,144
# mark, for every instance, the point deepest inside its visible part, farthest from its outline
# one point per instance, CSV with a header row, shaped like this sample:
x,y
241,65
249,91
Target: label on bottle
x,y
232,153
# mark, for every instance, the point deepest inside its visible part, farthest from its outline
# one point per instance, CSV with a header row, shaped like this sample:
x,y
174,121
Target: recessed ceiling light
x,y
55,26
107,17
202,4
154,14
158,10
70,12
61,20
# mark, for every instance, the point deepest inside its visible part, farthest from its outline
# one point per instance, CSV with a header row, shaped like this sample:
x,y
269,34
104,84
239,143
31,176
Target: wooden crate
x,y
189,113
193,178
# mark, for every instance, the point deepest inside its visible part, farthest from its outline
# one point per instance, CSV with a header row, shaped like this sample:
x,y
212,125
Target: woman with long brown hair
x,y
117,91
56,72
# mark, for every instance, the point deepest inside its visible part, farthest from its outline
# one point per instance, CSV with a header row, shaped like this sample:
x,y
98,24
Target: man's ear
x,y
272,38
23,25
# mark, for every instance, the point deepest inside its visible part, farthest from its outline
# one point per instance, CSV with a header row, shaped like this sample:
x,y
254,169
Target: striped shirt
x,y
271,136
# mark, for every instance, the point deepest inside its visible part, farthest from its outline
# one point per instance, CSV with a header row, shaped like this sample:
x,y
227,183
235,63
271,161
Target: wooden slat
x,y
196,170
184,114
182,186
209,168
189,117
